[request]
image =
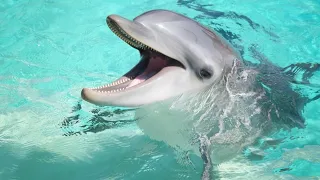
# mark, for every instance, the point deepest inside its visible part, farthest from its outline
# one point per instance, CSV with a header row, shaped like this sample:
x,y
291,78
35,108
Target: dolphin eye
x,y
204,73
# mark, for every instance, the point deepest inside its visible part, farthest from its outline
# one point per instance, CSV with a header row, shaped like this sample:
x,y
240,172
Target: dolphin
x,y
183,61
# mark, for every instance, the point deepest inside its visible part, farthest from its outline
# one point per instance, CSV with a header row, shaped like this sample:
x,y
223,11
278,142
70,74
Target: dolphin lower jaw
x,y
151,64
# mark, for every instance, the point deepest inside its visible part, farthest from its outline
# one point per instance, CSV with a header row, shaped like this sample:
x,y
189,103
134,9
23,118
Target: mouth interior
x,y
151,63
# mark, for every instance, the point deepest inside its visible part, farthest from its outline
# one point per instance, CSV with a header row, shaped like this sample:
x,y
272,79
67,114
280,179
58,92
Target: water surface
x,y
50,49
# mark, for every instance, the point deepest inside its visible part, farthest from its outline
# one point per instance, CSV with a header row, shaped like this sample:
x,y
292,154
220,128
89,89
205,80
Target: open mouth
x,y
152,62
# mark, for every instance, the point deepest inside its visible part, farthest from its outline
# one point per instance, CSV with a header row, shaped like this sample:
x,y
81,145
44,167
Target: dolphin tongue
x,y
156,63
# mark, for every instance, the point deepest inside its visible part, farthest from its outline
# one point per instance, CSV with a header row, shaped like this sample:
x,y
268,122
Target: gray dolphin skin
x,y
178,55
237,101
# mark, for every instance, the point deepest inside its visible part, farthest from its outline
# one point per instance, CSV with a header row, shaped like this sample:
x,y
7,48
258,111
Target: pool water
x,y
50,49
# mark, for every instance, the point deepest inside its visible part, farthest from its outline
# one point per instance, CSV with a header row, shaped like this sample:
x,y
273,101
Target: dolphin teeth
x,y
126,37
115,83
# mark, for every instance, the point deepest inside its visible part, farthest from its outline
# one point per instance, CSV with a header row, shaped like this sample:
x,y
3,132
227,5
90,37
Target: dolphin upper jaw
x,y
152,36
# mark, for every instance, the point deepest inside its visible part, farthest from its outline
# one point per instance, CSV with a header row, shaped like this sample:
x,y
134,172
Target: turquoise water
x,y
50,49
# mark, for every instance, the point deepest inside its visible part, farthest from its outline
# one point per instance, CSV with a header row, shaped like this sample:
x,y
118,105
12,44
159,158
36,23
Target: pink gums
x,y
156,63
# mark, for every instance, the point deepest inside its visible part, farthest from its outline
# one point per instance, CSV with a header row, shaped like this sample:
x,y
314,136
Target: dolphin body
x,y
195,92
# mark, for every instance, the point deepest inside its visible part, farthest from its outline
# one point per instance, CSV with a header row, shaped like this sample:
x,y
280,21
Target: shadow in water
x,y
98,119
213,14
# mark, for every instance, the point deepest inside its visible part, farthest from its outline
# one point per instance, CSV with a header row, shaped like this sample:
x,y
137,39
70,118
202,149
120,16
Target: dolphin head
x,y
178,55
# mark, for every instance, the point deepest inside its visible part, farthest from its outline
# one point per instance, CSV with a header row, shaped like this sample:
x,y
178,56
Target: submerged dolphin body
x,y
195,90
